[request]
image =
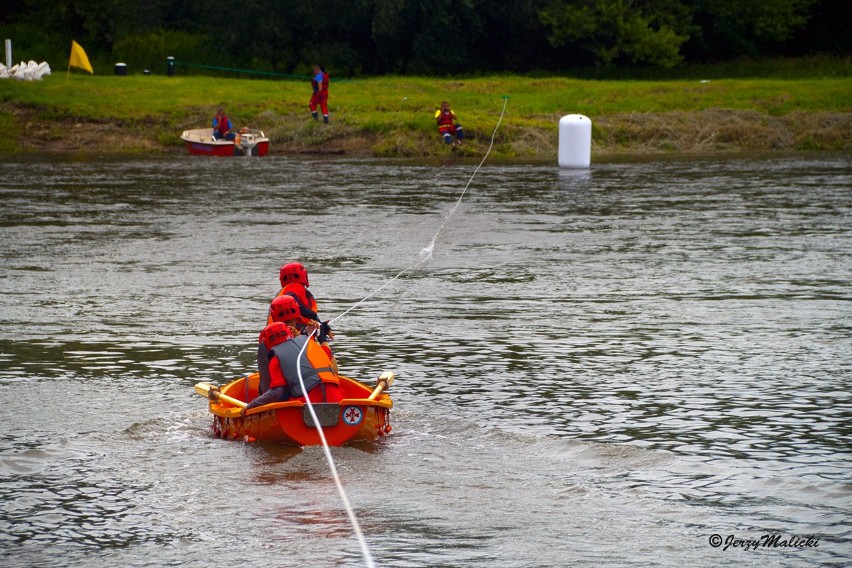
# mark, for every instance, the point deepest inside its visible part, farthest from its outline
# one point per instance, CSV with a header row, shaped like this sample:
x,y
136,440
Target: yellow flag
x,y
79,58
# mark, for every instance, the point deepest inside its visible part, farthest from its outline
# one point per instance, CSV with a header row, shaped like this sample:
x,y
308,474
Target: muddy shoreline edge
x,y
680,132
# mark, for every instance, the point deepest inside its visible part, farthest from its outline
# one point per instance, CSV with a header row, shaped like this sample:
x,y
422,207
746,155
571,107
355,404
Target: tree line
x,y
427,37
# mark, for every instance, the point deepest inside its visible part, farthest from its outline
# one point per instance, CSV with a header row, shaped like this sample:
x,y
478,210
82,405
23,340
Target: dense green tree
x,y
425,36
827,30
618,31
242,39
515,39
339,36
434,36
733,28
394,24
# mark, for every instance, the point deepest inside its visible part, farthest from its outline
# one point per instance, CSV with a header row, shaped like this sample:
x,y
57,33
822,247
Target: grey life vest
x,y
291,363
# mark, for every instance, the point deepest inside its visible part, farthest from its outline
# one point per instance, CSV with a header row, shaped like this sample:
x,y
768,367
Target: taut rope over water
x,y
365,550
425,254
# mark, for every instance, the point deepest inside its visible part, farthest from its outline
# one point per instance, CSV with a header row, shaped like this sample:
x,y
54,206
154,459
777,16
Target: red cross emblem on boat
x,y
352,415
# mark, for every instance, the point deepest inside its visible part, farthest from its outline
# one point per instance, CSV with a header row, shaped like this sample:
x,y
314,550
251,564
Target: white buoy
x,y
575,141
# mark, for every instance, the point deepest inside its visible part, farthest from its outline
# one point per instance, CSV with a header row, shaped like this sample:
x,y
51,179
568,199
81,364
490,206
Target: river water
x,y
597,367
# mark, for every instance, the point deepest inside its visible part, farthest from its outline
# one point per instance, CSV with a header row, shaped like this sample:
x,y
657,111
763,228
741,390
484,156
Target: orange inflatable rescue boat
x,y
362,415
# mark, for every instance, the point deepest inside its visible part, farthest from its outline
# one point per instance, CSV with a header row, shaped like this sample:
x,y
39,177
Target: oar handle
x,y
382,383
213,393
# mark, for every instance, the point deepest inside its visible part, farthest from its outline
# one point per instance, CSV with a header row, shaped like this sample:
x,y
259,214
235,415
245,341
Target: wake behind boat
x,y
248,142
362,415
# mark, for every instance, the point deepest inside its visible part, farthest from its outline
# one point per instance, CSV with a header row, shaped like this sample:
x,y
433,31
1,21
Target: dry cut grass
x,y
723,130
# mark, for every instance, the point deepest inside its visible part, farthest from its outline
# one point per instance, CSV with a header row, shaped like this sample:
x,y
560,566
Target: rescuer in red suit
x,y
288,358
319,82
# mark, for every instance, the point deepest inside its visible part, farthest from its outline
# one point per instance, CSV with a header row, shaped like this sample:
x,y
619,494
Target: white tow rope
x,y
365,550
425,254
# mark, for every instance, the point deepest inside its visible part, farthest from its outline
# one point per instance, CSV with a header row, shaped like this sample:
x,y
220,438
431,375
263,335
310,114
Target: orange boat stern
x,y
356,418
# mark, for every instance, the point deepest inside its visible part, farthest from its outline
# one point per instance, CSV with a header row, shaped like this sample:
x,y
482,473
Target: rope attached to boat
x,y
365,550
426,252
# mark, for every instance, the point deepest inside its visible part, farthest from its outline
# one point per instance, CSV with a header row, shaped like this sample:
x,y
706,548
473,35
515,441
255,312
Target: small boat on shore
x,y
362,415
248,142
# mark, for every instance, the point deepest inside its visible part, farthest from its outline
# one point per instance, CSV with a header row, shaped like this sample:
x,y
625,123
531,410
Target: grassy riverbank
x,y
392,116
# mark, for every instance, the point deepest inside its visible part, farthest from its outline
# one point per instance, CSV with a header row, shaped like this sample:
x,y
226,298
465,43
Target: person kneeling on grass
x,y
285,364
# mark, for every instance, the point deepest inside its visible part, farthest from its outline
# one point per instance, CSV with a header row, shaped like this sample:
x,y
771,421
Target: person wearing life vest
x,y
222,127
289,358
319,83
294,282
282,309
296,306
285,309
447,126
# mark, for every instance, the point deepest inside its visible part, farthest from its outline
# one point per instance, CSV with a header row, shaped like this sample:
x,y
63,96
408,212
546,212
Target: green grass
x,y
397,112
11,130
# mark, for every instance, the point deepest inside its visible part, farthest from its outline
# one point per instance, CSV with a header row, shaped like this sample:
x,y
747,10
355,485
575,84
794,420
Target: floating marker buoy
x,y
575,141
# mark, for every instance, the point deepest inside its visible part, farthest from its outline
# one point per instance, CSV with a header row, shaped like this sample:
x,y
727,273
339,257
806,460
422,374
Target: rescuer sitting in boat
x,y
285,309
294,282
447,125
222,127
285,365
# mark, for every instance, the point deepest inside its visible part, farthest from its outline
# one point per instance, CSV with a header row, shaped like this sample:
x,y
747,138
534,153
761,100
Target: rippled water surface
x,y
602,367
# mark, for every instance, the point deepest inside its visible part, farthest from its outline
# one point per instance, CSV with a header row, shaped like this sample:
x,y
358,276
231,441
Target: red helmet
x,y
293,272
275,333
284,308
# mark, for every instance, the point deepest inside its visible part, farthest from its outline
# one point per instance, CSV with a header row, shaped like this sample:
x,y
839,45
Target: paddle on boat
x,y
362,415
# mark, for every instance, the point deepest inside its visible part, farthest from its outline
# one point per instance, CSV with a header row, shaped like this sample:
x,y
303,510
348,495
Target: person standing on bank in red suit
x,y
319,82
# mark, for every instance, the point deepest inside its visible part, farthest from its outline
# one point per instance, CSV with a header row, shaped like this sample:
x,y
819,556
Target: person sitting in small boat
x,y
222,127
285,309
294,282
447,125
285,365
